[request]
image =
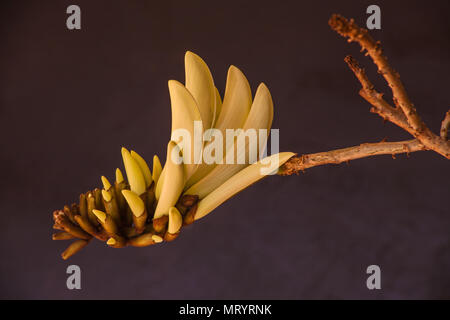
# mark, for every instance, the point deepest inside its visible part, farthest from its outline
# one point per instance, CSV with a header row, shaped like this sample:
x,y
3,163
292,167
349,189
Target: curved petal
x,y
184,114
237,183
157,168
134,174
173,182
236,102
106,183
200,84
144,168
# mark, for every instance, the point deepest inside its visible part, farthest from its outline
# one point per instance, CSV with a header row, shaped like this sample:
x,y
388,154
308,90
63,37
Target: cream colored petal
x,y
136,204
184,113
236,102
235,109
261,112
214,179
159,184
202,170
144,168
200,84
134,174
173,183
237,183
260,117
175,220
255,119
157,168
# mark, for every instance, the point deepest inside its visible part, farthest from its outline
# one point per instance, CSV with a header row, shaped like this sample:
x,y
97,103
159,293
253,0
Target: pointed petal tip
x,y
189,54
119,176
192,56
262,85
105,182
174,83
234,69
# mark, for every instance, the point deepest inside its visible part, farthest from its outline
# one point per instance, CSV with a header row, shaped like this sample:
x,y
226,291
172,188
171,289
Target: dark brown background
x,y
71,99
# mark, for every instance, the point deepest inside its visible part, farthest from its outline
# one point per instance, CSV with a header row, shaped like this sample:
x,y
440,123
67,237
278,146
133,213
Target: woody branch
x,y
403,114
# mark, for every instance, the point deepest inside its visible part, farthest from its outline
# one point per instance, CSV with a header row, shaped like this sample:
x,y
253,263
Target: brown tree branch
x,y
300,163
348,29
403,115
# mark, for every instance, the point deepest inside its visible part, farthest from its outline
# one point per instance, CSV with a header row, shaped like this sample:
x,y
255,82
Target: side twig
x,y
380,106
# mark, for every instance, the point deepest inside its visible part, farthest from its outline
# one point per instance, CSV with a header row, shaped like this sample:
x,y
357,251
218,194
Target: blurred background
x,y
70,99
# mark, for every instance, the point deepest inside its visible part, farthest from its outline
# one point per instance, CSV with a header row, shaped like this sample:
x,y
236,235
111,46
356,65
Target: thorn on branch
x,y
445,126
